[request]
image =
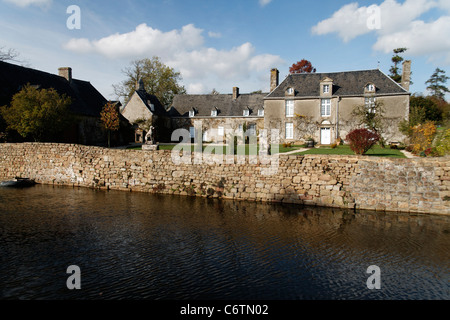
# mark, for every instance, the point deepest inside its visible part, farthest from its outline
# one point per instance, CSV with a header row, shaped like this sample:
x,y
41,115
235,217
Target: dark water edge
x,y
155,247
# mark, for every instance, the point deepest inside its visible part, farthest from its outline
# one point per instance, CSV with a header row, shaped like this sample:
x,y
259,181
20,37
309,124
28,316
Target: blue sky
x,y
221,44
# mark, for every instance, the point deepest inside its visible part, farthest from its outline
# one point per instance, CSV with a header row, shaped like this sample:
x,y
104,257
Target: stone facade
x,y
360,182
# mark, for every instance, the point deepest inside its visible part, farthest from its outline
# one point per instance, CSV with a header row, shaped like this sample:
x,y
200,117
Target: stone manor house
x,y
302,106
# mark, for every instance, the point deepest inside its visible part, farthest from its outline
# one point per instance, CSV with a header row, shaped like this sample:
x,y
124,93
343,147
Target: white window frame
x,y
289,130
289,108
370,87
290,91
261,113
326,88
213,113
220,131
325,107
246,113
191,113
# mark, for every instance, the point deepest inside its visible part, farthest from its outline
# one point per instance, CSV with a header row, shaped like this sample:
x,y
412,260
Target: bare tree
x,y
8,54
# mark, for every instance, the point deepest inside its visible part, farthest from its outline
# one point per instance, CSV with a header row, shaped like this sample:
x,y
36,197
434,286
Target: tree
x,y
436,84
303,66
396,59
8,55
371,117
38,114
110,119
159,80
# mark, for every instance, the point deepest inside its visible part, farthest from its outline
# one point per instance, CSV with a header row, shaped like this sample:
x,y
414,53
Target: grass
x,y
247,148
376,151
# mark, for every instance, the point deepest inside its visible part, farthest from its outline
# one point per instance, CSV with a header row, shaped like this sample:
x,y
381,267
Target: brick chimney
x,y
406,75
65,73
274,79
235,93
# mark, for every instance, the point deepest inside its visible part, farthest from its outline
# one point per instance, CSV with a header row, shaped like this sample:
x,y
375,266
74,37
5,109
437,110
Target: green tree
x,y
396,75
110,119
159,80
436,84
37,114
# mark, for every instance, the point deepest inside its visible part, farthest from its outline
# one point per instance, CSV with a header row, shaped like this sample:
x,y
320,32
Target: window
x,y
326,88
191,113
325,108
246,113
213,113
261,113
370,87
220,131
289,130
370,104
252,129
290,91
289,108
192,132
241,128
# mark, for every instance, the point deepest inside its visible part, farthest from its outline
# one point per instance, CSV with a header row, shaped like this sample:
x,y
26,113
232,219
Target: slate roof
x,y
349,83
149,99
225,104
86,100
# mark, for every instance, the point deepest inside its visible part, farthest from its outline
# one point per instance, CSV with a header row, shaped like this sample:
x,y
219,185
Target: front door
x,y
325,136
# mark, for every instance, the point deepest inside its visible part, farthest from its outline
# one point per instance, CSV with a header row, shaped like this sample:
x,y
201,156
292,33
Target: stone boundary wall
x,y
419,185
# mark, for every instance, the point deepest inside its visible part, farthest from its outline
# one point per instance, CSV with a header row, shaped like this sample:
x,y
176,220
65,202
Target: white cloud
x,y
183,50
26,3
264,3
399,26
214,34
140,42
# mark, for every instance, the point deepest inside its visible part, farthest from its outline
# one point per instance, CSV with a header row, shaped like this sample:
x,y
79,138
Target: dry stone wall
x,y
406,185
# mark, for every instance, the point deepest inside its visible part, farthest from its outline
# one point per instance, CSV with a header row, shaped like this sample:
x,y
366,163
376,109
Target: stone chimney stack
x,y
406,75
274,79
66,73
235,93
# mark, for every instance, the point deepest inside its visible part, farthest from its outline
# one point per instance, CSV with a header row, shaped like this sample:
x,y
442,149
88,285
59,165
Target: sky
x,y
221,44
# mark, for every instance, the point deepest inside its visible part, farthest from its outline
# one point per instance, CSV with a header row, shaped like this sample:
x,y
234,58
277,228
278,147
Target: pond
x,y
145,246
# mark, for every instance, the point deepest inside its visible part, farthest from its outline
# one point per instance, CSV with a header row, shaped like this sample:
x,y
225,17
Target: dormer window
x,y
214,113
290,91
246,112
191,113
326,88
370,87
261,113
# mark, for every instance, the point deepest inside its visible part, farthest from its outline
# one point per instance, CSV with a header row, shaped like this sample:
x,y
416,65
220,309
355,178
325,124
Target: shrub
x,y
362,140
443,143
422,136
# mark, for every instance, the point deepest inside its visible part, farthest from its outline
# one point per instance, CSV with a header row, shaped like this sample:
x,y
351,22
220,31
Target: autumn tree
x,y
159,80
110,119
302,66
436,84
37,114
396,74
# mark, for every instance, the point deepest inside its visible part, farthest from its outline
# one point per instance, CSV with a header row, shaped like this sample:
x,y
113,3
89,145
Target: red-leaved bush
x,y
361,140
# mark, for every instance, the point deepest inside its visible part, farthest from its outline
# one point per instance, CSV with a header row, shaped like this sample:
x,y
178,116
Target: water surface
x,y
144,246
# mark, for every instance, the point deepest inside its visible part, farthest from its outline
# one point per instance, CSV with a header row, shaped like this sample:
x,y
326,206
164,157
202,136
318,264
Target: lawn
x,y
376,151
247,148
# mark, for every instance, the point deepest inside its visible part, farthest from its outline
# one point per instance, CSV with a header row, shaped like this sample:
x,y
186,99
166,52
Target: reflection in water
x,y
143,246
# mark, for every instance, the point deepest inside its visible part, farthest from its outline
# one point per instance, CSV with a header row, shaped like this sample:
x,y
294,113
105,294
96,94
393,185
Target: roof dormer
x,y
370,88
290,92
326,87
